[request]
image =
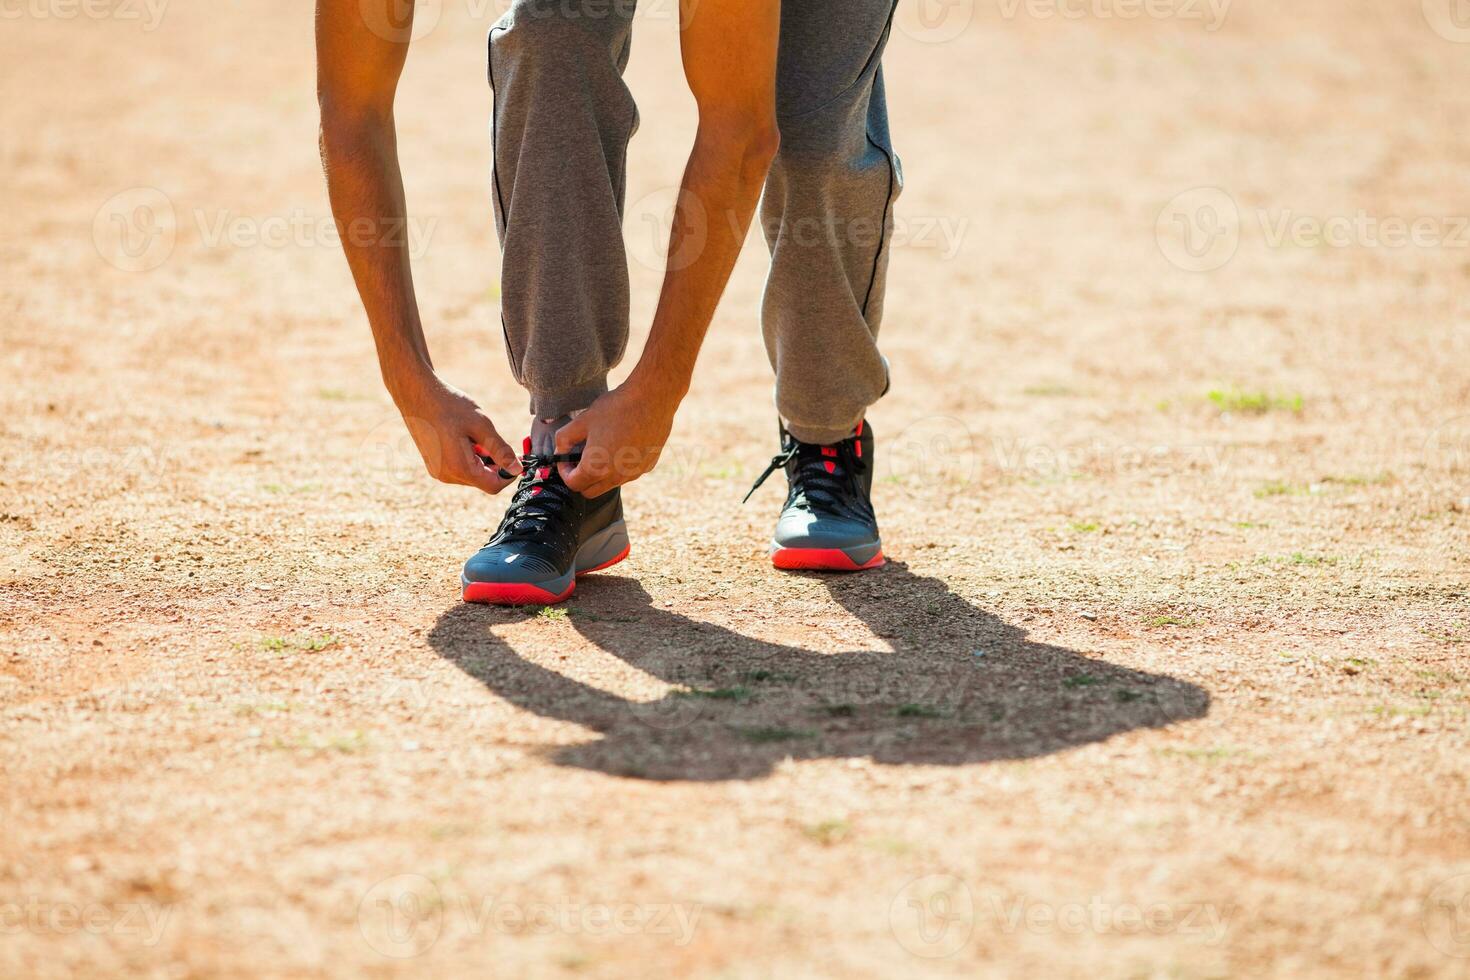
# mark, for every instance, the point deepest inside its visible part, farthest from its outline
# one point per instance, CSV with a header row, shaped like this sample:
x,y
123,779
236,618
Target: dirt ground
x,y
1169,672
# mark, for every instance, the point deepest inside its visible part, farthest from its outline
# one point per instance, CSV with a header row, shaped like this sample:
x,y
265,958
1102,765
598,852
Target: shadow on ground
x,y
959,686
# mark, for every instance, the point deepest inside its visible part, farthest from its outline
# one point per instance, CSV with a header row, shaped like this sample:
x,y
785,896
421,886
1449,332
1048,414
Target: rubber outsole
x,y
523,594
821,560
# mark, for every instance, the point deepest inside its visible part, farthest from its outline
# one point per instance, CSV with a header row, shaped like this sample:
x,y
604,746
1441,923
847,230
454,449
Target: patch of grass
x,y
1250,525
350,744
1185,622
919,711
1458,633
281,488
828,832
333,395
1085,527
1297,558
1123,695
298,644
840,710
551,612
1281,488
1216,754
265,707
1239,402
1080,680
1360,480
737,694
1400,711
767,734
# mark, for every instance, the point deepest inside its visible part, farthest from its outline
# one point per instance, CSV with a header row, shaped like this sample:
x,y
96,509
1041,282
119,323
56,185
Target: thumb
x,y
571,435
488,443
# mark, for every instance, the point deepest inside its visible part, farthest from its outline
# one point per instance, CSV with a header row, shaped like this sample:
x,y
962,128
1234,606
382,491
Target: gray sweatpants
x,y
562,120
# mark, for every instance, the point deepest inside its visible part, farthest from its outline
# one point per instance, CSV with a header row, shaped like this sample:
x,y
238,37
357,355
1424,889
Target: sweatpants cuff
x,y
821,437
564,401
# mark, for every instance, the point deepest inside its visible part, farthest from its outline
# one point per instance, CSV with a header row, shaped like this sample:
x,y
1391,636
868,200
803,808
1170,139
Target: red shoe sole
x,y
820,560
521,594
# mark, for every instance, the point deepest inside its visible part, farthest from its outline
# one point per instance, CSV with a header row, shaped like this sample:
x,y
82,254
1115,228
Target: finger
x,y
488,443
474,473
571,435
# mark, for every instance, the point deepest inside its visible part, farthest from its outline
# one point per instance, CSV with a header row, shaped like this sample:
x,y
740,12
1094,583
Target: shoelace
x,y
822,468
540,498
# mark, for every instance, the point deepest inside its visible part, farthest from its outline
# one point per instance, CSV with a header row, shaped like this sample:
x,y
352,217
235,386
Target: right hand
x,y
448,428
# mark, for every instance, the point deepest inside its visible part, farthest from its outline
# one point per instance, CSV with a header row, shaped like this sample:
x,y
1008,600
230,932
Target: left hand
x,y
624,431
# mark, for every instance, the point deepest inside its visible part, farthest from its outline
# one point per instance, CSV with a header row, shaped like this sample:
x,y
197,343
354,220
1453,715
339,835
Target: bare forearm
x,y
366,189
717,200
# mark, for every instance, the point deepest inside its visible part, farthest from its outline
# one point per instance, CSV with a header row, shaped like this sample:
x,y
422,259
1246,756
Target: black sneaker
x,y
550,535
827,523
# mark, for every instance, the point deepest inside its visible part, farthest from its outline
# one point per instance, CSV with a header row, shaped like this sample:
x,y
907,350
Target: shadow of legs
x,y
958,686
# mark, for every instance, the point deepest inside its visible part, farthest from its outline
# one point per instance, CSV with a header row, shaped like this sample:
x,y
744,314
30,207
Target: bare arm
x,y
729,52
359,61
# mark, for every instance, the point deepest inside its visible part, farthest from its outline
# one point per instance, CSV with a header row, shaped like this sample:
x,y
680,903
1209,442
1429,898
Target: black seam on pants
x,y
510,352
892,171
883,228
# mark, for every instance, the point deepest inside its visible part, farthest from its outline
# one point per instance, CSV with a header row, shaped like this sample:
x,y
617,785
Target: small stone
x,y
1089,616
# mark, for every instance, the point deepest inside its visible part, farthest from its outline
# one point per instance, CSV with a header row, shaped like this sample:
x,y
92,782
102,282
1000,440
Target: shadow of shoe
x,y
958,686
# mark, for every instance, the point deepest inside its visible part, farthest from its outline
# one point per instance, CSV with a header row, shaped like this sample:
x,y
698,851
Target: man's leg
x,y
827,216
563,118
561,125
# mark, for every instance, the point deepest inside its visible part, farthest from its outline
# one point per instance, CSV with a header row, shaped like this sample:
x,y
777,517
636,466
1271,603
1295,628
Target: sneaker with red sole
x,y
827,523
549,536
